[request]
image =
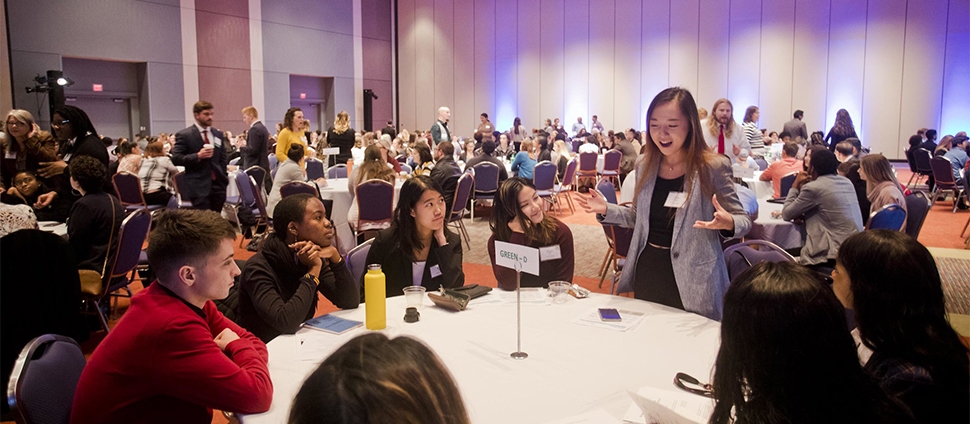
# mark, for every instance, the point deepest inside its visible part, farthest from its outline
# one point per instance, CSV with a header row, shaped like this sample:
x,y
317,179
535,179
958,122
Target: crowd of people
x,y
175,356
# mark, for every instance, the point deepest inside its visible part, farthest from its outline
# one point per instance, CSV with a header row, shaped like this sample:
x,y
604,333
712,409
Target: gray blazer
x,y
831,211
696,254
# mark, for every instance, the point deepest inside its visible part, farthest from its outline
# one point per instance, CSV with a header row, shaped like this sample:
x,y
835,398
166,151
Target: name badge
x,y
435,271
10,155
675,199
216,141
549,253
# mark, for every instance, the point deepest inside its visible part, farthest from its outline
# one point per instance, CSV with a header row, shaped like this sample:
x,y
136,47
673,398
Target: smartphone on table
x,y
609,314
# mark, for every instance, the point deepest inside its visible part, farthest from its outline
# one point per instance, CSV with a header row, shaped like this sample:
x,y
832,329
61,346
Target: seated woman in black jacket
x,y
279,293
517,218
418,250
893,285
25,188
96,217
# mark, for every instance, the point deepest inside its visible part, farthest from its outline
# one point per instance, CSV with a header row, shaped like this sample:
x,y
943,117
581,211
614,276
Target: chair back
x,y
314,169
128,188
375,204
182,198
622,237
918,206
608,190
405,168
297,187
337,171
943,172
463,191
744,255
274,162
922,158
786,182
357,260
247,195
587,162
611,160
486,178
131,238
544,176
762,164
890,217
570,175
44,379
258,174
235,161
911,160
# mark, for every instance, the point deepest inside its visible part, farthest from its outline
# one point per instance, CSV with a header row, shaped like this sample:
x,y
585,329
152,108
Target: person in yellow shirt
x,y
291,133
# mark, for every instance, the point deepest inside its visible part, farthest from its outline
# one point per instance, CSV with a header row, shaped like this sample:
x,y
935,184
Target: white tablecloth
x,y
571,368
776,230
55,227
761,189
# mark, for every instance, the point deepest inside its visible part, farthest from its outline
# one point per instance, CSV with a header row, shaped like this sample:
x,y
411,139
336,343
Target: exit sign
x,y
97,87
302,95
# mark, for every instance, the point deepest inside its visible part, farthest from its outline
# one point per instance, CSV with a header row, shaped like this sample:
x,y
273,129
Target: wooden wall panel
x,y
712,53
529,77
847,52
922,83
443,38
506,61
426,105
684,41
955,113
882,81
485,83
655,54
463,106
777,42
406,58
809,76
552,66
744,60
626,66
576,83
602,83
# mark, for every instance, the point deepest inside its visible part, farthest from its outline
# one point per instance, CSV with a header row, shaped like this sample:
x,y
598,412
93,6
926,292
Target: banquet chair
x,y
567,185
128,188
762,164
611,166
608,190
297,187
274,162
235,161
786,183
620,239
357,261
486,183
314,169
463,192
609,193
889,217
258,174
337,171
544,178
943,174
375,206
44,379
924,167
748,253
587,167
917,207
180,199
248,198
405,168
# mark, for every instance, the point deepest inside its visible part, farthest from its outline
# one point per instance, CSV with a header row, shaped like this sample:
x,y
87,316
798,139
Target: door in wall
x,y
110,116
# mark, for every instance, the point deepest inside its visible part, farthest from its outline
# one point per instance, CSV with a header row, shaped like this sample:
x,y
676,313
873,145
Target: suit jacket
x,y
255,152
796,128
446,173
831,213
397,266
198,172
696,255
437,136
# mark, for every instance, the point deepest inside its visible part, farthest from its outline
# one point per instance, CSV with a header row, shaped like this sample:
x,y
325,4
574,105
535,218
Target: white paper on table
x,y
651,405
531,295
598,416
315,347
629,320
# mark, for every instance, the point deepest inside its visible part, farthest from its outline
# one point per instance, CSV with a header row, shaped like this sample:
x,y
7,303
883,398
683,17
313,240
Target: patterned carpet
x,y
955,274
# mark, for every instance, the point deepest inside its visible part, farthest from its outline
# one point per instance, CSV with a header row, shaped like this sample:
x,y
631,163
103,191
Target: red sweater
x,y
161,365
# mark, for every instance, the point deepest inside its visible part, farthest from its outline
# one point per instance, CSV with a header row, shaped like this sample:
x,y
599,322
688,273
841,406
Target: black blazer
x,y
198,172
345,141
256,150
386,250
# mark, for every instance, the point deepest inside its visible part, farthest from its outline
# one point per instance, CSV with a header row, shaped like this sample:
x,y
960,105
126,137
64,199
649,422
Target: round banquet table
x,y
761,189
571,368
776,230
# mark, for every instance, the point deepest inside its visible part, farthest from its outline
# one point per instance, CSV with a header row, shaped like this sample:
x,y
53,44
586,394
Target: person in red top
x,y
788,164
518,218
174,357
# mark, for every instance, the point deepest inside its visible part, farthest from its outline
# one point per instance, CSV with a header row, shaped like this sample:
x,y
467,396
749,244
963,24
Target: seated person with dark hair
x,y
25,188
174,357
278,288
828,203
789,163
488,147
95,218
844,151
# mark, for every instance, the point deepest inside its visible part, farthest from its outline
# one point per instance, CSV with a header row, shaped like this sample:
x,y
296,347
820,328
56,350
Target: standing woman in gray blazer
x,y
684,205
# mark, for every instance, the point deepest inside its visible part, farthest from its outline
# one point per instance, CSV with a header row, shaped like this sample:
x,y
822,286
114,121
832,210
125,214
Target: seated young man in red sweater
x,y
174,357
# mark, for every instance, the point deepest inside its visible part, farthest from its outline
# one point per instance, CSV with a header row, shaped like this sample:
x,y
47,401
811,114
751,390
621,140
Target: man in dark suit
x,y
446,171
201,150
254,152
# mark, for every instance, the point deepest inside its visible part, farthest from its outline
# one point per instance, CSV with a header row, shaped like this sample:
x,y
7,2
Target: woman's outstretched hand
x,y
592,202
722,219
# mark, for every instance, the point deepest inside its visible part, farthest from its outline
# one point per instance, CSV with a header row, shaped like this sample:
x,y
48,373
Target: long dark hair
x,y
899,306
373,379
406,230
843,123
288,118
516,124
507,208
787,356
80,123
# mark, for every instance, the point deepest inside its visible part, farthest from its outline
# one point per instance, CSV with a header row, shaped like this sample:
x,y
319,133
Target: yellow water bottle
x,y
375,298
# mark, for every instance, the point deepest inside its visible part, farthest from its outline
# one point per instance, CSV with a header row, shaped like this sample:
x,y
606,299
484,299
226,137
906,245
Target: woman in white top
x,y
156,173
751,133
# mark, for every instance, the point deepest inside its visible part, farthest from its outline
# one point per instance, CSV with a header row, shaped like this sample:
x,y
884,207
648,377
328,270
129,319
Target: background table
x,y
776,230
761,189
571,368
337,191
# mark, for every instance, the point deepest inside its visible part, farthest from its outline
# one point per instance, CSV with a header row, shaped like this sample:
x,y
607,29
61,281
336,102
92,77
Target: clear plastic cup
x,y
414,296
559,290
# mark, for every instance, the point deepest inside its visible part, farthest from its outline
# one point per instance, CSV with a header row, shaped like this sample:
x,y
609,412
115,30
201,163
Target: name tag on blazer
x,y
216,141
675,199
435,271
549,253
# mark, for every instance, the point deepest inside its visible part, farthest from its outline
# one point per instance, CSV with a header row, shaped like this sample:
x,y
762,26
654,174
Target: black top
x,y
443,261
344,140
446,173
930,401
90,226
275,297
837,138
544,154
662,217
503,173
256,150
